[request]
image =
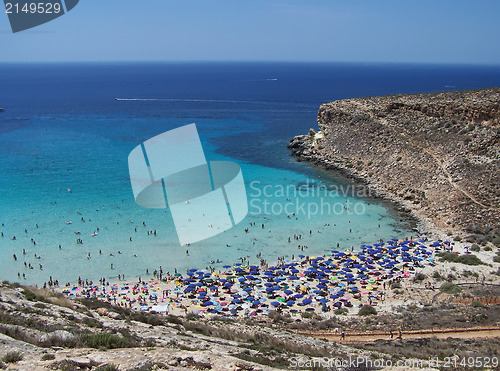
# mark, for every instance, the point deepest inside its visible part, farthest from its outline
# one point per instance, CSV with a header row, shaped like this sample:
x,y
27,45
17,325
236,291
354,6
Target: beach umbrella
x,y
294,270
307,301
208,303
226,266
298,296
288,292
324,301
334,296
290,303
293,278
275,304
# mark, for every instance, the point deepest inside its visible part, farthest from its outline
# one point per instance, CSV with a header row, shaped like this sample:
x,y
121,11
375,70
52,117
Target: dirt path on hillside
x,y
435,157
366,337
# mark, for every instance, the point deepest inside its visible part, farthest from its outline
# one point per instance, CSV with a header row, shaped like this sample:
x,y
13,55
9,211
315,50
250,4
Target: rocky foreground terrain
x,y
438,154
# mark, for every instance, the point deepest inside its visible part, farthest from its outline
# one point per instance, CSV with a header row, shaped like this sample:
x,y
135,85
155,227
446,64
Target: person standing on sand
x,y
342,336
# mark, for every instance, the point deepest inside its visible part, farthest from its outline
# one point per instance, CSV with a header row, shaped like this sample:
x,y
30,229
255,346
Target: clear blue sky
x,y
423,31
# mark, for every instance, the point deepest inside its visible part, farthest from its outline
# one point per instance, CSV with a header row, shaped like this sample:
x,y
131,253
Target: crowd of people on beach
x,y
304,283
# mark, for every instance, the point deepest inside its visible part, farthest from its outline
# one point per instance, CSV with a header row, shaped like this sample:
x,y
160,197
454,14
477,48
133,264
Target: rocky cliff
x,y
438,154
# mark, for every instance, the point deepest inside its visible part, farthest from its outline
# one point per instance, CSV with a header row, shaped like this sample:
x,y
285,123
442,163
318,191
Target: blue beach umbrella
x,y
275,304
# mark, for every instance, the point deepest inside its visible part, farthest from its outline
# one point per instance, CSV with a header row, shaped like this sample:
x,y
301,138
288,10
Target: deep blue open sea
x,y
62,130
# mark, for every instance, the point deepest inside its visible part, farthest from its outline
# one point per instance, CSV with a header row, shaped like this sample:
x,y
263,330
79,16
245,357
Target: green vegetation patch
x,y
467,259
450,288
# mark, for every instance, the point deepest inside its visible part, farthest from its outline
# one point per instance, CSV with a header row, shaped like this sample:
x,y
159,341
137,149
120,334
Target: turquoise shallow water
x,y
64,142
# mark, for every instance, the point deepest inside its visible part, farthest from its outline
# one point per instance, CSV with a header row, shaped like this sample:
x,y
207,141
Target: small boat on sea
x,y
77,232
94,234
2,109
68,222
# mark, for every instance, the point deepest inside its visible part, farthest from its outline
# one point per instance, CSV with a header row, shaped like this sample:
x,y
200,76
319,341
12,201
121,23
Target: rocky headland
x,y
436,154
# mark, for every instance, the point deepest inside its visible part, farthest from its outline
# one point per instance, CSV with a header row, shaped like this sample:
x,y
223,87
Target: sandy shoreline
x,y
366,277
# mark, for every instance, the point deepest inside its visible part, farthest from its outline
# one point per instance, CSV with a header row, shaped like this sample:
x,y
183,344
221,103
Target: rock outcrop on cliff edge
x,y
437,153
